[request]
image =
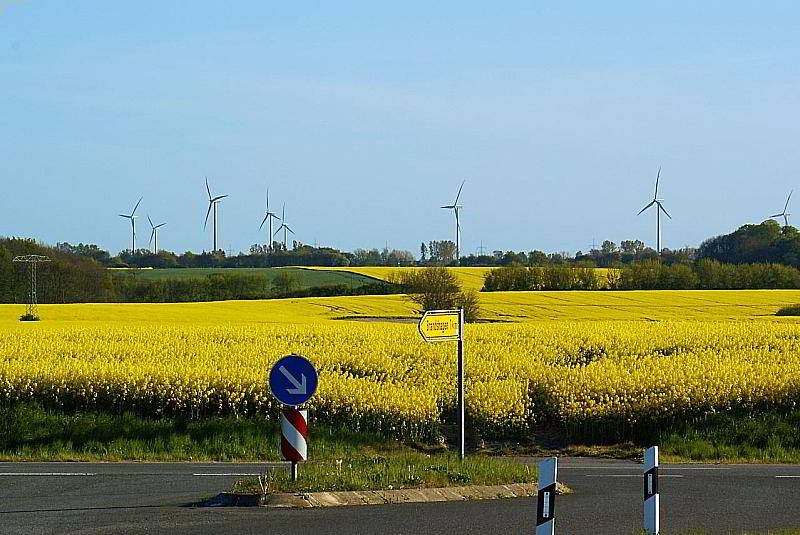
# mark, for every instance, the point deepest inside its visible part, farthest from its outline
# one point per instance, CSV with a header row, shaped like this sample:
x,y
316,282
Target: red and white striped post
x,y
294,438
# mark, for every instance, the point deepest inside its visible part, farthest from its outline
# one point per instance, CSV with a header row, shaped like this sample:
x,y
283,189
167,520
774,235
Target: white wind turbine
x,y
212,205
456,207
659,208
783,214
284,226
154,234
268,216
132,216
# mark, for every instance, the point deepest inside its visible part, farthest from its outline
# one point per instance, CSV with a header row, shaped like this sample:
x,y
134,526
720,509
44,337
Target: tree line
x,y
651,274
260,256
72,277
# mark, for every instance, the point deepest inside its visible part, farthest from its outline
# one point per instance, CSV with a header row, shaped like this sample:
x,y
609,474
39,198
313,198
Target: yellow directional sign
x,y
441,325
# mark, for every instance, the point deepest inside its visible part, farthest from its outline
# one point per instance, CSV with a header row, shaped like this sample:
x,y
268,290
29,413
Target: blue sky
x,y
364,119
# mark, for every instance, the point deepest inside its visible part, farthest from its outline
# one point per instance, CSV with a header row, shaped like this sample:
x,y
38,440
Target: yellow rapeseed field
x,y
706,351
468,277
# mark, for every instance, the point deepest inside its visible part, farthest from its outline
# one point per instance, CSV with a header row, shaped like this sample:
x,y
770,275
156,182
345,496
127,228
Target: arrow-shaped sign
x,y
299,386
441,325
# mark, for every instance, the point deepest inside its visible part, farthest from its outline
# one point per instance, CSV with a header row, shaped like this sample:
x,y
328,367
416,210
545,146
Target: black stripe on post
x,y
651,482
546,504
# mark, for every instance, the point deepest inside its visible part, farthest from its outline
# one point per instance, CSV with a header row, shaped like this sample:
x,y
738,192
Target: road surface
x,y
95,498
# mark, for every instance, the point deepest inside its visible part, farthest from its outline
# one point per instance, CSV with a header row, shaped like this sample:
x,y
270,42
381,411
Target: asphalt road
x,y
153,497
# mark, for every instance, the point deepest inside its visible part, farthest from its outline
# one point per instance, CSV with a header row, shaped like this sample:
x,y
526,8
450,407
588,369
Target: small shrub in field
x,y
791,310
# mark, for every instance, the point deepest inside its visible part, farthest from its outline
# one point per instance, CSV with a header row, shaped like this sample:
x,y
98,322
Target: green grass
x,y
735,438
401,471
32,433
306,277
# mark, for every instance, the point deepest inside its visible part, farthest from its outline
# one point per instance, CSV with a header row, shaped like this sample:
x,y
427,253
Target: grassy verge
x,y
29,432
402,471
735,438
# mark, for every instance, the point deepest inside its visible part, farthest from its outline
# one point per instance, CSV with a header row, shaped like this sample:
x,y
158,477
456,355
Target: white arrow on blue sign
x,y
293,380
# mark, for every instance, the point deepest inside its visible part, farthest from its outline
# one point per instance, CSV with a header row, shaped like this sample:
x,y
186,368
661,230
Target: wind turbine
x,y
659,208
284,226
154,234
268,216
212,205
456,207
132,217
783,214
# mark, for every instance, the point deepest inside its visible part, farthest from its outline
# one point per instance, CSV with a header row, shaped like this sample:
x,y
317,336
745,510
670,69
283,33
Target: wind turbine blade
x,y
277,230
149,220
267,200
208,189
264,221
658,175
776,215
289,229
449,207
210,203
459,192
137,205
123,215
161,225
151,236
219,197
787,201
283,213
646,207
664,210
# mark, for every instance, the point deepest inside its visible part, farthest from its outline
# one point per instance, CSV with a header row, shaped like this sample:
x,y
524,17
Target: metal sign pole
x,y
462,424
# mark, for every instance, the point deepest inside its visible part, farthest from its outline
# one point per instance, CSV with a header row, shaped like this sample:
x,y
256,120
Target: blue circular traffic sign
x,y
293,380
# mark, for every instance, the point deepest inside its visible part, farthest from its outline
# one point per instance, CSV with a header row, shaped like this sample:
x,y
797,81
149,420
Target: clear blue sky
x,y
365,117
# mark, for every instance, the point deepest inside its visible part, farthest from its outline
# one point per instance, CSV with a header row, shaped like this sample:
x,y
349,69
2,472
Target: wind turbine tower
x,y
284,227
212,206
132,216
456,207
783,214
154,234
659,208
268,216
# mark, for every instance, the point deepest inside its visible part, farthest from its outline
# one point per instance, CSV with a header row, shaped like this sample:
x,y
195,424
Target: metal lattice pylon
x,y
31,308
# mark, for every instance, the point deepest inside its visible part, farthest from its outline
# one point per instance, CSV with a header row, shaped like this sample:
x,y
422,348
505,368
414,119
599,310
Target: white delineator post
x,y
651,502
546,497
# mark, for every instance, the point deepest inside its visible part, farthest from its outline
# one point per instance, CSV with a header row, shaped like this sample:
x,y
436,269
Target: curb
x,y
376,497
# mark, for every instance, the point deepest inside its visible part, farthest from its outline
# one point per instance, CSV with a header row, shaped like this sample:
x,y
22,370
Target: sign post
x,y
293,380
448,326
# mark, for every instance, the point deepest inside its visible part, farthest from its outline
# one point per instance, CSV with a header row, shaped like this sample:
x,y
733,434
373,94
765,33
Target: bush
x,y
791,310
437,288
469,301
29,317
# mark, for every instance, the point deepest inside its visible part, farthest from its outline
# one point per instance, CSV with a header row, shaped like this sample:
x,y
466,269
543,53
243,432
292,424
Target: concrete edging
x,y
378,497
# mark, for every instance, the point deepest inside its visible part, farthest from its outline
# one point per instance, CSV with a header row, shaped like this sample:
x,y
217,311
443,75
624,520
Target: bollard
x,y
546,497
294,438
651,502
